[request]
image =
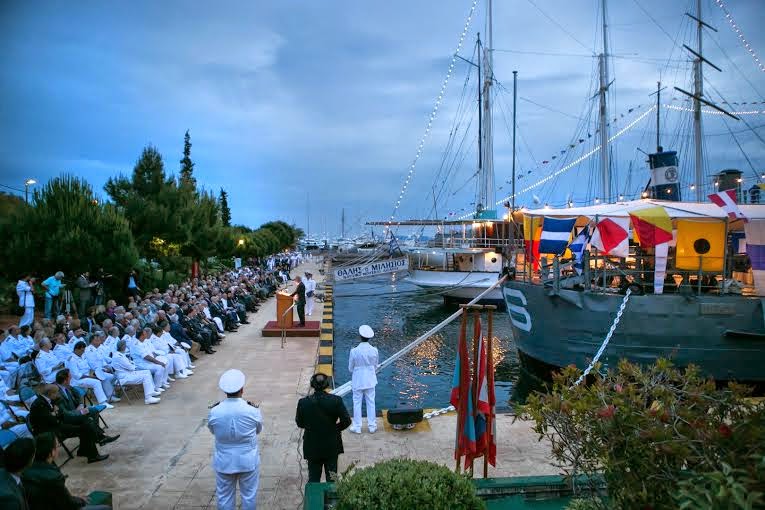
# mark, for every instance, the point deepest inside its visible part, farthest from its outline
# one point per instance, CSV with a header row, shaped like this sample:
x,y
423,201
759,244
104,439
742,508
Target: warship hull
x,y
723,335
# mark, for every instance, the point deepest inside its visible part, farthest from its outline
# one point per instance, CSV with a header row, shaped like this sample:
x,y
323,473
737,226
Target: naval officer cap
x,y
231,381
366,332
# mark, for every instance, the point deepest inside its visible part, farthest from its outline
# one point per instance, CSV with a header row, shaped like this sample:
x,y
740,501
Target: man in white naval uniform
x,y
47,362
142,352
310,290
235,423
127,374
362,364
97,356
84,377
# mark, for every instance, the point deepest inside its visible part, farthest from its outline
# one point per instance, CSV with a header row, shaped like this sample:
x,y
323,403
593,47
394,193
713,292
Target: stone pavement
x,y
162,459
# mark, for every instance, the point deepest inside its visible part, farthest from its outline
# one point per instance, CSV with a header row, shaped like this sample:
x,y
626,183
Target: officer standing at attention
x,y
362,364
235,423
324,417
299,297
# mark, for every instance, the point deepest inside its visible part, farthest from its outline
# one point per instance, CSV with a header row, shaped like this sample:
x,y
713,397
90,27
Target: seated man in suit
x,y
73,410
45,485
17,457
43,418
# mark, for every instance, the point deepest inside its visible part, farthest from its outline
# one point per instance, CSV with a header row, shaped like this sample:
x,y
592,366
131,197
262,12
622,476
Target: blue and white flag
x,y
555,235
393,245
577,247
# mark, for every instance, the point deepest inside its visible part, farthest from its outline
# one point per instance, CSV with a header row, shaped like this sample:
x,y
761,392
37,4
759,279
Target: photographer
x,y
52,286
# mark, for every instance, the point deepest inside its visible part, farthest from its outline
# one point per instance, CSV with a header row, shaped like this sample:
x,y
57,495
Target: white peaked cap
x,y
366,332
231,381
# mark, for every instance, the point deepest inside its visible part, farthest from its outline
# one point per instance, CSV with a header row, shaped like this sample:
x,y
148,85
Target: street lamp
x,y
27,184
241,242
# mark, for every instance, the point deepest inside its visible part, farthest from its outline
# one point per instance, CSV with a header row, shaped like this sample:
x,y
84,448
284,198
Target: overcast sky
x,y
328,100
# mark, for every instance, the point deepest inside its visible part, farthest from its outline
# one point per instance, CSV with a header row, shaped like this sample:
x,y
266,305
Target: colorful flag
x,y
611,236
755,248
482,408
532,230
653,226
700,243
577,247
555,235
393,245
727,200
462,399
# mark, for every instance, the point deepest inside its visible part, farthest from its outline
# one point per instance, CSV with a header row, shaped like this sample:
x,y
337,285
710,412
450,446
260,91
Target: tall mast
x,y
515,103
604,134
307,216
479,204
342,224
698,93
488,121
658,114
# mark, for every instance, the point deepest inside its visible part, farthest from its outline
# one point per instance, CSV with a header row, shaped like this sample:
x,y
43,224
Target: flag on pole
x,y
482,407
577,247
654,229
462,399
393,246
611,236
555,235
727,200
532,230
755,248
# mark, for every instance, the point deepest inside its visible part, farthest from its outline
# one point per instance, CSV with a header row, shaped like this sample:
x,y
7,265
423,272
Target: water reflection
x,y
399,313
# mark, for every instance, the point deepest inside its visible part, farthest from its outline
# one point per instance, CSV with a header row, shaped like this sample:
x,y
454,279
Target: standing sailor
x,y
362,364
310,290
235,423
299,297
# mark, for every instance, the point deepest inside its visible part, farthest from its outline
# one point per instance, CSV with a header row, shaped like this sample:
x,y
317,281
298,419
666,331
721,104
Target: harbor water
x,y
399,312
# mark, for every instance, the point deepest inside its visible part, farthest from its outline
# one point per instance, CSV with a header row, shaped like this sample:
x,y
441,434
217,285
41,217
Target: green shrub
x,y
403,484
659,436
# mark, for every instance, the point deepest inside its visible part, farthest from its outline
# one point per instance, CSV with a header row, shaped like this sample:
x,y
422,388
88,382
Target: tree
x,y
154,206
286,235
225,212
187,166
67,230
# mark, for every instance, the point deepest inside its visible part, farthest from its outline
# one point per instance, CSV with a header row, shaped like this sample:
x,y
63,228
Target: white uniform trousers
x,y
309,305
93,384
28,318
219,323
367,395
158,374
107,382
225,489
139,377
178,362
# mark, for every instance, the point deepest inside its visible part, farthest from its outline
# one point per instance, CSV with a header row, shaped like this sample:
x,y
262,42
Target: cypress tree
x,y
225,212
187,166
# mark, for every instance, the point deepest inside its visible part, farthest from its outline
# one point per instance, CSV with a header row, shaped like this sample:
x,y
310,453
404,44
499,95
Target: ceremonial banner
x,y
532,231
755,248
652,225
462,399
727,201
372,269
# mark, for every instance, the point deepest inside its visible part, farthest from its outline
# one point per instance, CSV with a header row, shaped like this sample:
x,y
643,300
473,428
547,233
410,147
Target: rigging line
x,y
740,34
735,139
550,109
736,67
580,43
647,13
544,53
740,118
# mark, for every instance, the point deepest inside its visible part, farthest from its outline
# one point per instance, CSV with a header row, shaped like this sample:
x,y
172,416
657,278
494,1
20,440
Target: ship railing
x,y
601,273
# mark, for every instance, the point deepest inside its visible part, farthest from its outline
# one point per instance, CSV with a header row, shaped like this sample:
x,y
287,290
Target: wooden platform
x,y
311,329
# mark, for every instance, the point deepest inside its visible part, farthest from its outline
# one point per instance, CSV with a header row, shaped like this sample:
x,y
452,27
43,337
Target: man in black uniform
x,y
300,301
324,417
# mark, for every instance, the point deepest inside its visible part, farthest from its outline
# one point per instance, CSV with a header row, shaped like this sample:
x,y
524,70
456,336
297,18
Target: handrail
x,y
346,388
284,330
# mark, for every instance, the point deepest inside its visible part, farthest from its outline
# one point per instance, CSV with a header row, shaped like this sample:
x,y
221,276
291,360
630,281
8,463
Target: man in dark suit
x,y
300,301
17,457
42,418
324,417
72,410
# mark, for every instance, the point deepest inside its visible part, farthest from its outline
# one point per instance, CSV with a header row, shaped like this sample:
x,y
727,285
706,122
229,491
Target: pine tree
x,y
225,212
187,166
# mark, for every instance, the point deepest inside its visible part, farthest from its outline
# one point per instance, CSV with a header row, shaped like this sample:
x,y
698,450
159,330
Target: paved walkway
x,y
162,460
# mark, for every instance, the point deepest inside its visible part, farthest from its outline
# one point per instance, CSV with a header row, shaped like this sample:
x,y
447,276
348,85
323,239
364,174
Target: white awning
x,y
675,210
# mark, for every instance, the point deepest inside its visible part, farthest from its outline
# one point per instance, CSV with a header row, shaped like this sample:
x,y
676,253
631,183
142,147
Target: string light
x,y
433,114
711,112
734,26
573,163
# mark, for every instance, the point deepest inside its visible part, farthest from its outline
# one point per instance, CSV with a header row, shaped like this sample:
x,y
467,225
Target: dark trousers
x,y
315,468
87,434
301,312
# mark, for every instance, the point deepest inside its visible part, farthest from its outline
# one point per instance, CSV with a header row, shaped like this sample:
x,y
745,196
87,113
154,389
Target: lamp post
x,y
241,242
27,184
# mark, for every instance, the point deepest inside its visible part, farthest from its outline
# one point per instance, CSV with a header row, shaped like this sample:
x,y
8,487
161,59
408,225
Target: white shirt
x,y
121,363
45,361
139,350
78,366
97,357
7,348
111,343
362,363
160,346
62,351
310,285
235,425
26,297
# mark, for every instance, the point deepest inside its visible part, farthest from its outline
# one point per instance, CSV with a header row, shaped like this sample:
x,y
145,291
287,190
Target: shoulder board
x,y
215,404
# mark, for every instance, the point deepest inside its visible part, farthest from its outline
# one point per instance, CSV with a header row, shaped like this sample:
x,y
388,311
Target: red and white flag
x,y
611,236
727,200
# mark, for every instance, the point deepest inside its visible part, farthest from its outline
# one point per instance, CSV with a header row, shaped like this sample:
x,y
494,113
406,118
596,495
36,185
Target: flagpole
x,y
457,455
476,342
489,369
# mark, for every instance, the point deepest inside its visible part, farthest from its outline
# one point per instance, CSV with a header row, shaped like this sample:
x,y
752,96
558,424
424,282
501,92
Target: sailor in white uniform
x,y
235,423
310,290
362,364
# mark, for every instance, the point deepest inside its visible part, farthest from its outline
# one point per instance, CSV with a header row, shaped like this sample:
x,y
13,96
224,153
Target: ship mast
x,y
698,90
604,134
485,195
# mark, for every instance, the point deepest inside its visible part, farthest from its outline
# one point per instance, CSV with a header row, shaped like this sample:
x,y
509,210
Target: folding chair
x,y
69,454
6,438
88,397
124,389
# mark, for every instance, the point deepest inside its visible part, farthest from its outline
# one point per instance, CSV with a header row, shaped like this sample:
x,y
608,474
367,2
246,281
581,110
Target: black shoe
x,y
210,351
108,439
246,322
98,458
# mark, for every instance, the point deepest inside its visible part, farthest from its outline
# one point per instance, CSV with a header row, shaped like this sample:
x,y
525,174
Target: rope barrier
x,y
608,338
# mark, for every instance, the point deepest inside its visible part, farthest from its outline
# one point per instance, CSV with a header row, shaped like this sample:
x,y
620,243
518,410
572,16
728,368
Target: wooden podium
x,y
283,302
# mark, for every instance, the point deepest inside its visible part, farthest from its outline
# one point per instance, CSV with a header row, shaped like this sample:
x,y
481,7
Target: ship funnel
x,y
665,179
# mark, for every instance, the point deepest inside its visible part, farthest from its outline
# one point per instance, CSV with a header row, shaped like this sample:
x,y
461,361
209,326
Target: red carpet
x,y
310,329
